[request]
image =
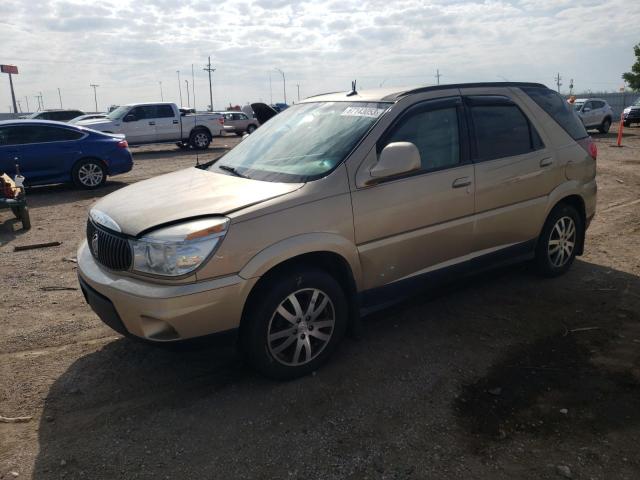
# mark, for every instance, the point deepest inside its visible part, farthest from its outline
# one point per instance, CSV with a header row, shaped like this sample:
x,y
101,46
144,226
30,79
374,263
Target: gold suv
x,y
340,203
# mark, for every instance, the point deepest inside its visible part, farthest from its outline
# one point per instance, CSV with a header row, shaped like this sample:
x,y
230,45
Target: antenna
x,y
353,89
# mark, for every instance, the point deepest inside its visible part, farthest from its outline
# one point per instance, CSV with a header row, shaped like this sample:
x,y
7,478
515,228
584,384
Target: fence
x,y
618,100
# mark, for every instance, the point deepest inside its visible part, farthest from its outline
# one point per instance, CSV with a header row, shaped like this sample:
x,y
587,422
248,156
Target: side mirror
x,y
395,159
130,117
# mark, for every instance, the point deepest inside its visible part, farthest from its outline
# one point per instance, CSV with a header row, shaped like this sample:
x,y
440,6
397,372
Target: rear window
x,y
558,108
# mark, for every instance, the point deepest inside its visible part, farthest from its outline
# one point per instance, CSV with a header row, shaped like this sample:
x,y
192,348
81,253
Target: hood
x,y
263,112
182,195
94,122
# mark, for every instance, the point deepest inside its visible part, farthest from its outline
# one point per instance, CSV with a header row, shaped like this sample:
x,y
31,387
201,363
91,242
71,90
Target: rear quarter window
x,y
558,109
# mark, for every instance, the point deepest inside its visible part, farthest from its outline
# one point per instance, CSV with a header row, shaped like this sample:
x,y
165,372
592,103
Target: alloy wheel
x,y
90,175
301,327
562,241
201,140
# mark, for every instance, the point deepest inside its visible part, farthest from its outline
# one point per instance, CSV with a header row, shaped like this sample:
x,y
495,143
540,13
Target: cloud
x,y
129,46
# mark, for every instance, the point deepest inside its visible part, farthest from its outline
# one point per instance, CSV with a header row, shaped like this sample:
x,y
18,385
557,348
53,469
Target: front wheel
x,y
89,174
251,129
293,327
25,218
606,124
559,240
200,139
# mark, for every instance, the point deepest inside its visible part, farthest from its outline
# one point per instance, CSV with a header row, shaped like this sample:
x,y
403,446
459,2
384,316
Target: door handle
x,y
545,162
152,123
175,122
461,182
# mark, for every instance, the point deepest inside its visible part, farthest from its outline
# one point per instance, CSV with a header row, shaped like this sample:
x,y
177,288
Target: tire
x,y
89,174
251,129
606,124
16,212
24,217
303,339
559,241
200,139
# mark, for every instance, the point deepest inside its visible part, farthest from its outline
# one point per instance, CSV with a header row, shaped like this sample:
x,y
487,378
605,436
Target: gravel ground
x,y
500,375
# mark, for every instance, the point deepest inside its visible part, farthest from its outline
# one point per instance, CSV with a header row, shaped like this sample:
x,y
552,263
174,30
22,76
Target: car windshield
x,y
303,143
578,105
117,113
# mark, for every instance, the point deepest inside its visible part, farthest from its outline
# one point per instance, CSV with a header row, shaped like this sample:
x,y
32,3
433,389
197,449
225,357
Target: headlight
x,y
178,249
627,110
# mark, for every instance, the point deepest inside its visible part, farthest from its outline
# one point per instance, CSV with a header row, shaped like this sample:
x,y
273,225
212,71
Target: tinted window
x,y
598,104
556,106
4,135
435,133
164,111
144,112
502,131
20,135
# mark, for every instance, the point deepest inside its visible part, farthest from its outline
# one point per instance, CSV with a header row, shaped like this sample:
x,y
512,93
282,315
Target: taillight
x,y
123,144
590,146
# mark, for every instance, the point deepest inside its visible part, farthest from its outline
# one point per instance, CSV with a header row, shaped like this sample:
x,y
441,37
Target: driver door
x,y
419,222
139,126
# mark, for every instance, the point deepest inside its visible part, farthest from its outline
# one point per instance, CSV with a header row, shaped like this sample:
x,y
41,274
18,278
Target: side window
x,y
502,131
588,106
435,133
164,111
4,136
598,104
558,109
139,113
20,135
62,134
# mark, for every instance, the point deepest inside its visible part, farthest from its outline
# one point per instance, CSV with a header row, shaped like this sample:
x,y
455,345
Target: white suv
x,y
594,113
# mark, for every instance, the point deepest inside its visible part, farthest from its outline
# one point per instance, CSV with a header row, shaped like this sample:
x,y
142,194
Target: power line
x,y
210,70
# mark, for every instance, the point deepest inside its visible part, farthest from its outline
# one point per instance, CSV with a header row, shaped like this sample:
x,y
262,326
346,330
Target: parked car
x,y
240,122
144,123
89,116
594,113
57,115
337,205
631,114
54,152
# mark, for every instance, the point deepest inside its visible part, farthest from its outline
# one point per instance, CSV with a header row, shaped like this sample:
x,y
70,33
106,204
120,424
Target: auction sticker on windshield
x,y
362,112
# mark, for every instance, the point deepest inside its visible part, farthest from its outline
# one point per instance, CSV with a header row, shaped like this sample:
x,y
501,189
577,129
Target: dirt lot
x,y
502,375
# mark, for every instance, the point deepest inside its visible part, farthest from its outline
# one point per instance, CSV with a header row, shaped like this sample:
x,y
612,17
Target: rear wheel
x,y
251,129
558,243
293,327
89,174
606,124
200,139
24,217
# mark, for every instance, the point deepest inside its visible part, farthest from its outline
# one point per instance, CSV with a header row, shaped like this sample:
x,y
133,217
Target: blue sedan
x,y
55,152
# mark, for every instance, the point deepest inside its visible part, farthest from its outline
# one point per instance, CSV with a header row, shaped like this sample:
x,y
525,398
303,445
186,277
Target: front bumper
x,y
632,116
162,312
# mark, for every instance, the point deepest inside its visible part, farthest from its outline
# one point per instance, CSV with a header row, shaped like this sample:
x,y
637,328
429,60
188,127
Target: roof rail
x,y
468,85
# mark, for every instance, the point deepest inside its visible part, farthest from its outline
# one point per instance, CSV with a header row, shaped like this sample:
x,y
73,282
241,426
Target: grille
x,y
107,248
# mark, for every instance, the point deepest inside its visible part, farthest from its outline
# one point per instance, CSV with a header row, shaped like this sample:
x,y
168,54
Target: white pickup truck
x,y
144,123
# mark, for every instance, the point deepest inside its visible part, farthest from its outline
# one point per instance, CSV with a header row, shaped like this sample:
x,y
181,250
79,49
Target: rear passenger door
x,y
167,123
409,225
514,172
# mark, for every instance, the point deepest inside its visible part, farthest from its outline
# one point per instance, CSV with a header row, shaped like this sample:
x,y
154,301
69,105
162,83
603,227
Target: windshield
x,y
303,143
578,105
117,113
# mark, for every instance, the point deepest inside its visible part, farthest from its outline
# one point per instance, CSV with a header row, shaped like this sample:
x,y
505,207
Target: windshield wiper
x,y
228,168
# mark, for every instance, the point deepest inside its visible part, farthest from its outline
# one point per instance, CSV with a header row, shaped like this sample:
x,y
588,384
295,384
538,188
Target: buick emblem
x,y
94,243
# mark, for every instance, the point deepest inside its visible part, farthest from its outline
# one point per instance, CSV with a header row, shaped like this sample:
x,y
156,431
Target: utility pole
x,y
179,86
270,90
41,101
95,94
37,97
558,83
188,97
438,75
210,70
284,85
19,106
298,85
161,95
26,99
60,97
571,86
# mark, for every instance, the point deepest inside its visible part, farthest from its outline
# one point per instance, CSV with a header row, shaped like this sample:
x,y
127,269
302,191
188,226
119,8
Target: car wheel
x,y
559,241
200,139
606,124
89,174
25,218
251,129
293,327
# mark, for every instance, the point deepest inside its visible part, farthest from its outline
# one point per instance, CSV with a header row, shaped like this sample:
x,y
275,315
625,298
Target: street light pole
x,y
95,95
161,95
179,87
188,97
284,85
60,97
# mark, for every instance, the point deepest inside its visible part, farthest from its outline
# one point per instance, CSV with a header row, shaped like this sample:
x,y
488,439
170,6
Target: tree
x,y
633,77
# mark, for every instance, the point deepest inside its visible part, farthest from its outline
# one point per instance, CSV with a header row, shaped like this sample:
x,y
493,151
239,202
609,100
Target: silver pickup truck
x,y
144,123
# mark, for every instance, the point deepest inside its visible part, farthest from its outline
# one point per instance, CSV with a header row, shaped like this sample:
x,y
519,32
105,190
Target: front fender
x,y
298,245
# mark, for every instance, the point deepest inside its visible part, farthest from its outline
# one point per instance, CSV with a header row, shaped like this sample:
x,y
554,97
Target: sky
x,y
133,49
